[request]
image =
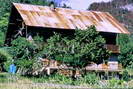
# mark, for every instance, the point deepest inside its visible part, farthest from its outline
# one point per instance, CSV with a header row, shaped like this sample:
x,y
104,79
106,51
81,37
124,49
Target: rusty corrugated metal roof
x,y
43,16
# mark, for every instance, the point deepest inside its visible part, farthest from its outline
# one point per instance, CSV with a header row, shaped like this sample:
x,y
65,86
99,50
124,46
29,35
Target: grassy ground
x,y
27,86
8,81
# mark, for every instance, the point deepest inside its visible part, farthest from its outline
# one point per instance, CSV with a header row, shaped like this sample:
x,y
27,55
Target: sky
x,y
129,7
81,4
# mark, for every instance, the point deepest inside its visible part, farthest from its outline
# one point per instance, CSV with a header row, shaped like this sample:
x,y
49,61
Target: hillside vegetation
x,y
116,9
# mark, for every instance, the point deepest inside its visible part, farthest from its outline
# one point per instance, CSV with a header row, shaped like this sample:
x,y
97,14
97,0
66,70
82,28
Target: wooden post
x,y
48,71
26,32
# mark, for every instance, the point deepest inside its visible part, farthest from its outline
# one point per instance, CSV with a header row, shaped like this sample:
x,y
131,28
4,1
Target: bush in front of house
x,y
62,79
91,78
125,75
24,54
126,49
76,51
85,45
4,57
114,83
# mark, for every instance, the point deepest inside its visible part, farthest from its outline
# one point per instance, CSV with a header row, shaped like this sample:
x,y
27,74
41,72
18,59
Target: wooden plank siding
x,y
113,48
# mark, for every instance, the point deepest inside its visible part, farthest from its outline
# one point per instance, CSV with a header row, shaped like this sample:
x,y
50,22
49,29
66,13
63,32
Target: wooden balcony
x,y
113,48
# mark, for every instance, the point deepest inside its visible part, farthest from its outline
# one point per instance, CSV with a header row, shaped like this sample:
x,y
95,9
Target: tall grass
x,y
91,80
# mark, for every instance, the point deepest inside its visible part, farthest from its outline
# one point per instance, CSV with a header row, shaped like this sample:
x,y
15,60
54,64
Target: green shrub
x,y
2,38
7,64
3,78
115,83
125,75
40,79
56,78
62,79
5,57
91,78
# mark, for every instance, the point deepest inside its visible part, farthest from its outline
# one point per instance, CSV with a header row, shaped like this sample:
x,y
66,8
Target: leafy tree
x,y
4,22
2,38
23,53
87,45
3,28
126,48
4,56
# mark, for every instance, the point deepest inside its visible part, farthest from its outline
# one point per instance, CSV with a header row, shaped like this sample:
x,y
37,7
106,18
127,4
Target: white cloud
x,y
82,4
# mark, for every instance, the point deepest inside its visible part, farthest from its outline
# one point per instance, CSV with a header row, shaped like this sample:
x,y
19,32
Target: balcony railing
x,y
113,48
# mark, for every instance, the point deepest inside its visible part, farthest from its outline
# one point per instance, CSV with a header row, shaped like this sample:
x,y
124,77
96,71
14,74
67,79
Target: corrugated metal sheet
x,y
43,16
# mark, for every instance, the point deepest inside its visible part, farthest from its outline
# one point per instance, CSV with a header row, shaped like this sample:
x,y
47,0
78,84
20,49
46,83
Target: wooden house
x,y
29,20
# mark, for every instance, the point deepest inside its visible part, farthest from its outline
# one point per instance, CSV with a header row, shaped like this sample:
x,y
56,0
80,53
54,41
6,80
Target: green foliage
x,y
122,39
125,75
40,79
2,38
39,2
56,78
4,55
114,83
91,78
3,78
86,46
4,22
7,64
38,41
23,52
126,48
62,79
3,28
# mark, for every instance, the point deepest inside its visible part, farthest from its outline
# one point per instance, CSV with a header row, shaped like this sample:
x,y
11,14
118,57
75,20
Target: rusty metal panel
x,y
25,17
62,18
